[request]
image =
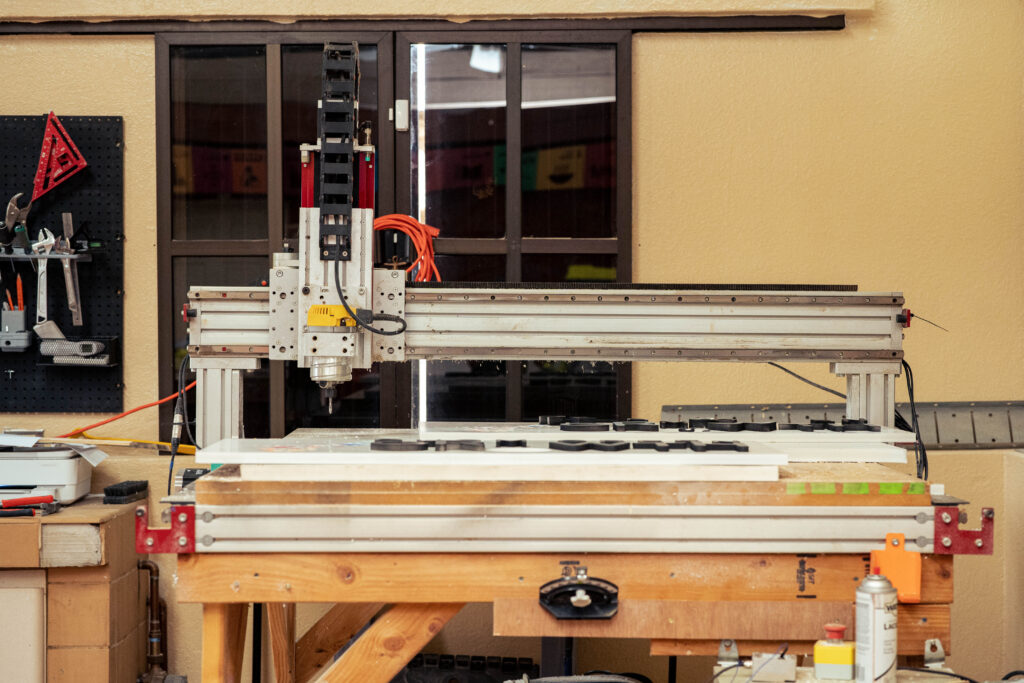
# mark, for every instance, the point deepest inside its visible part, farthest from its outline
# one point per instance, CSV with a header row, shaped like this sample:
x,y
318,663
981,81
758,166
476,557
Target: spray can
x,y
876,630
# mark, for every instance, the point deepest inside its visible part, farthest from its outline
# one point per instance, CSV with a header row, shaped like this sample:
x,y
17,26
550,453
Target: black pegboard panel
x,y
95,198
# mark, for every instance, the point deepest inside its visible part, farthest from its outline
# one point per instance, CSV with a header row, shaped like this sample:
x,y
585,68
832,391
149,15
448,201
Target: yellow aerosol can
x,y
876,630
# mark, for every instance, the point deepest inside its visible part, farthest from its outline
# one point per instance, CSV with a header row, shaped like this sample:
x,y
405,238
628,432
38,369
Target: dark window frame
x,y
390,37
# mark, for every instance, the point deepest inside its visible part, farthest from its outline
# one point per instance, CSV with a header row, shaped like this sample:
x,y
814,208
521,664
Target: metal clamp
x,y
934,655
578,596
179,538
728,652
950,539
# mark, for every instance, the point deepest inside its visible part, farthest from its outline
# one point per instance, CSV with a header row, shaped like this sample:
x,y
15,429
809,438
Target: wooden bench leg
x,y
388,645
281,624
317,646
224,628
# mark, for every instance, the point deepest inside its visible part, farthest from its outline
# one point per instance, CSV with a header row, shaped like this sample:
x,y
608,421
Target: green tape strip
x,y
823,488
916,487
891,488
856,488
796,488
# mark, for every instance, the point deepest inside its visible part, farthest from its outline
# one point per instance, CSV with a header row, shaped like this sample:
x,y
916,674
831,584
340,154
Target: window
x,y
526,135
512,153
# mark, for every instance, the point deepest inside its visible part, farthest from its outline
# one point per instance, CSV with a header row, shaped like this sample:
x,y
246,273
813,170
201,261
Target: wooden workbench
x,y
94,616
682,603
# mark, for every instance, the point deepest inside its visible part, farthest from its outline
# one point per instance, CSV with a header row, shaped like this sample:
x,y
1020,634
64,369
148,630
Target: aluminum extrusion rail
x,y
651,322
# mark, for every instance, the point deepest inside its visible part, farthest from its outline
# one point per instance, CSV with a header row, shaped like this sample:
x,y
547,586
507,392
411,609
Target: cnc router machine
x,y
690,534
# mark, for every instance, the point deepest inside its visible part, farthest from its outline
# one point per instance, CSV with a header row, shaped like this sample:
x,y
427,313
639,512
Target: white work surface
x,y
346,455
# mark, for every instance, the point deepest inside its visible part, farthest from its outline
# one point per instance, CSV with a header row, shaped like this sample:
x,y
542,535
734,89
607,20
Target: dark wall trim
x,y
645,24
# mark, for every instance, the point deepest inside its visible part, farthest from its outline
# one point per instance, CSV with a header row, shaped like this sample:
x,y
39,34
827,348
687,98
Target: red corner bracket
x,y
179,538
950,539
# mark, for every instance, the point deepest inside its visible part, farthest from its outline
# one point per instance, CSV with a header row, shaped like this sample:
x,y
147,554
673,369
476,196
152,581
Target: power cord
x,y
919,449
937,672
180,420
807,381
728,668
373,318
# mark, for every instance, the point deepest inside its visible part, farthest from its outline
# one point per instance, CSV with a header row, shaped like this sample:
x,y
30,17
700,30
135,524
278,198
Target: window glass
x,y
578,388
569,268
466,390
568,131
457,138
471,267
218,142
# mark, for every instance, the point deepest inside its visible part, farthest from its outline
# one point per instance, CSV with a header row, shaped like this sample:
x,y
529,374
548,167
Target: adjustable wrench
x,y
14,222
70,271
43,247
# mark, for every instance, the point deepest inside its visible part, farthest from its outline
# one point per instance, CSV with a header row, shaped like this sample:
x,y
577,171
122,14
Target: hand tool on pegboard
x,y
70,267
15,227
58,160
42,248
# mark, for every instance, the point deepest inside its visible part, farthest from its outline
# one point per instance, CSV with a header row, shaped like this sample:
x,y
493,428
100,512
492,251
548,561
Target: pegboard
x,y
95,198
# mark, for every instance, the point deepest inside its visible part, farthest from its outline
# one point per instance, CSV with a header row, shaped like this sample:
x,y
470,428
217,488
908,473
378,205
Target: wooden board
x,y
915,625
459,469
84,534
799,484
20,540
321,642
455,577
784,620
386,647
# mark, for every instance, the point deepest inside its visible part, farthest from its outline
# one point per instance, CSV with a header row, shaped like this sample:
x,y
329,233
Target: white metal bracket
x,y
870,391
219,397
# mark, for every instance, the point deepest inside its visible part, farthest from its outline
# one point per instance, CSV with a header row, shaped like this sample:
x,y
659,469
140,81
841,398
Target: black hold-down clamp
x,y
578,596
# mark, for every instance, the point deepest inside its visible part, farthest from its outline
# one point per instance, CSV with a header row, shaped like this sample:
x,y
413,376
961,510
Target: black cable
x,y
1013,674
185,362
728,668
804,379
937,672
919,449
180,419
672,669
381,316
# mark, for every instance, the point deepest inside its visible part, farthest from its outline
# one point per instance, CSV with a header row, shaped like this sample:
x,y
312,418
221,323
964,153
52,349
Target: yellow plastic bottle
x,y
833,658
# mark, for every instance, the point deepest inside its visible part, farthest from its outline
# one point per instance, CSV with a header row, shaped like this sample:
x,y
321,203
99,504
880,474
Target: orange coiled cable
x,y
422,236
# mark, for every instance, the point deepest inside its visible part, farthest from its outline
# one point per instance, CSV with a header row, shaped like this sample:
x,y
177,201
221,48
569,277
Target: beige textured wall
x,y
887,155
102,76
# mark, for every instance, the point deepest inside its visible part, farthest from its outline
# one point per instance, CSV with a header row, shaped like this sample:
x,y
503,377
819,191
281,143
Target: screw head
x,y
182,541
139,512
182,517
149,542
946,541
946,518
305,290
978,542
895,542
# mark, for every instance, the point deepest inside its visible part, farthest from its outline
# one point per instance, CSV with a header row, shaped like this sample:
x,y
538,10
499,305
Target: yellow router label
x,y
329,316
